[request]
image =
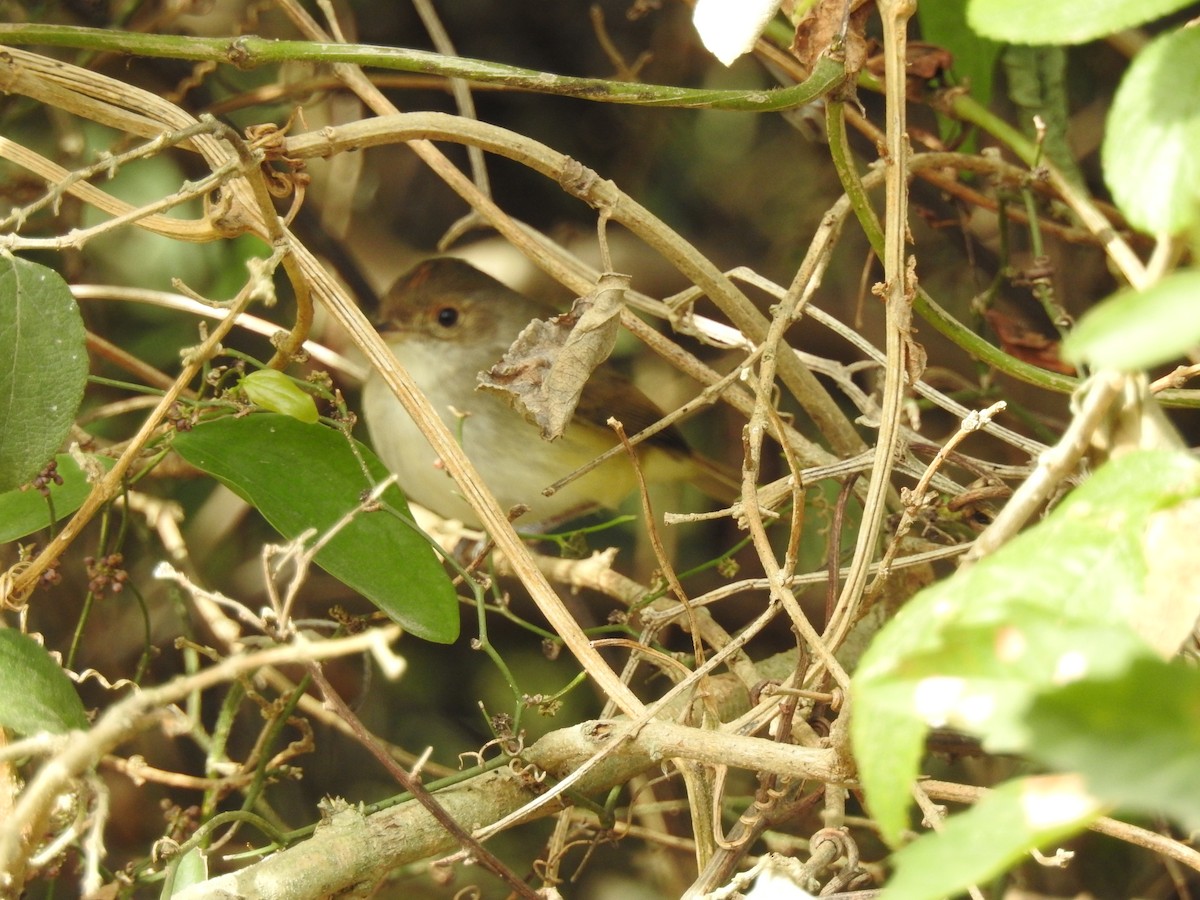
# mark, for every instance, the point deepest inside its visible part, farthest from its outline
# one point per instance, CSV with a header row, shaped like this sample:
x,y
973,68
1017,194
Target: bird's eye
x,y
447,316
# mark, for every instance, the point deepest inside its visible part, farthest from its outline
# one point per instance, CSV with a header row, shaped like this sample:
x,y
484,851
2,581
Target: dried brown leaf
x,y
544,372
824,25
1026,343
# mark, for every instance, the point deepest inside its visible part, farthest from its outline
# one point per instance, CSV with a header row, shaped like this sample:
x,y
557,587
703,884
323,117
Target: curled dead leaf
x,y
544,372
1026,343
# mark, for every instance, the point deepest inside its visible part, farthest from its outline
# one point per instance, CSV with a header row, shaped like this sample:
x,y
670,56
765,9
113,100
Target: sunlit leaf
x,y
988,838
1062,21
1135,737
1149,153
1170,602
1057,604
1138,329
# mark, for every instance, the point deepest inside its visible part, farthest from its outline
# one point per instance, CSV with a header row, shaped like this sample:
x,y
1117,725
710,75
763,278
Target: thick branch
x,y
352,849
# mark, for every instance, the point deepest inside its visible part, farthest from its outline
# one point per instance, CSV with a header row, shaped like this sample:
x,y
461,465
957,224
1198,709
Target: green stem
x,y
843,164
250,51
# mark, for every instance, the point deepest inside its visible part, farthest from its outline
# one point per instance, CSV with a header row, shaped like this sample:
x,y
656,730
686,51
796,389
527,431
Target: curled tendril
x,y
10,598
848,848
510,745
529,774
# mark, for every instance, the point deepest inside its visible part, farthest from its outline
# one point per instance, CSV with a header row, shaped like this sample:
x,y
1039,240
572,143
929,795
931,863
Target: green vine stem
x,y
250,51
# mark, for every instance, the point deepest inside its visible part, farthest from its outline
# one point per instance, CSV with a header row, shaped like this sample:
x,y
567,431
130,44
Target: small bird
x,y
447,322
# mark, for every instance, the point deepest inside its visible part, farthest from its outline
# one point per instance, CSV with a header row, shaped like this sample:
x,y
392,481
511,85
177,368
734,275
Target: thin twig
x,y
1052,466
935,818
915,500
899,285
460,88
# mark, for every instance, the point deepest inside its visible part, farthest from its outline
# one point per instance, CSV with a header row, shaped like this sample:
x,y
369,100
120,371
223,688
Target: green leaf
x,y
189,870
38,696
302,476
1135,737
275,392
982,679
43,367
974,650
1062,21
1138,329
945,23
988,838
22,512
1149,152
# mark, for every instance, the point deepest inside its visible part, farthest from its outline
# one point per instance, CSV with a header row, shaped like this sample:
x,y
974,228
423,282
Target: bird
x,y
447,322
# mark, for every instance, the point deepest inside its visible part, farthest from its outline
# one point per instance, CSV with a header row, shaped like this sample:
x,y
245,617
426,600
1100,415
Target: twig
x,y
660,552
252,323
461,90
1052,466
123,213
915,500
934,817
250,51
899,285
61,182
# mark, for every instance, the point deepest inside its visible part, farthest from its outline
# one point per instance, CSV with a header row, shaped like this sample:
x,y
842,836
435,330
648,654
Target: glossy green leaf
x,y
38,696
1062,21
1149,152
1138,329
43,367
988,838
275,392
22,512
302,476
1135,737
1060,601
